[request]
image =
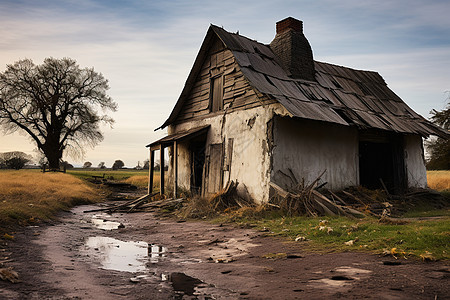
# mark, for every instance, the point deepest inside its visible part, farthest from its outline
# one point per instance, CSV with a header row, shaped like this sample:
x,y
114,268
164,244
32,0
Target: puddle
x,y
182,283
99,222
113,254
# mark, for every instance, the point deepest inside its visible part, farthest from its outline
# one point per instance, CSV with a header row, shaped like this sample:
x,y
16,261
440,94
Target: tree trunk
x,y
53,160
53,155
53,150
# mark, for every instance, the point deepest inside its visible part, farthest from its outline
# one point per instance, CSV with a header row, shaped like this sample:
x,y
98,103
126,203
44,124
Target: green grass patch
x,y
416,238
422,211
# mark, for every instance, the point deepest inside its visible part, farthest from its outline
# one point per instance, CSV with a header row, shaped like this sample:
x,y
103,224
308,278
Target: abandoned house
x,y
255,113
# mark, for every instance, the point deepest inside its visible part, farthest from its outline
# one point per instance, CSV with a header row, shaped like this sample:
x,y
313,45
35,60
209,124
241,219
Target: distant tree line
x,y
119,164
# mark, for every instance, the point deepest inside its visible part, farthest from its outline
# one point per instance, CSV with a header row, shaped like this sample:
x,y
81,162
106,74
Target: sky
x,y
146,49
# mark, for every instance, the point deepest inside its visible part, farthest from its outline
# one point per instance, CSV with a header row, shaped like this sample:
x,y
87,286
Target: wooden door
x,y
214,172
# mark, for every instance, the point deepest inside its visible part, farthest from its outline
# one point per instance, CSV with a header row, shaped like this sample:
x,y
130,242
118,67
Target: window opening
x,y
216,99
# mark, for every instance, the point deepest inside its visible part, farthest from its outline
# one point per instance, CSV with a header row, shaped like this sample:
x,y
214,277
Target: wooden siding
x,y
237,93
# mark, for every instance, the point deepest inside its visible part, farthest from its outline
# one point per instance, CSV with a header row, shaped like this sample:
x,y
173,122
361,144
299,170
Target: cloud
x,y
146,48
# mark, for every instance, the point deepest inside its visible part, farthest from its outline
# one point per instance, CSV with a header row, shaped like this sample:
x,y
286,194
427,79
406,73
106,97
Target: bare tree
x,y
56,104
101,165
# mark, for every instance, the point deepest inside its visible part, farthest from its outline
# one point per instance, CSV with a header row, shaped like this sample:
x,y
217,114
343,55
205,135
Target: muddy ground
x,y
166,259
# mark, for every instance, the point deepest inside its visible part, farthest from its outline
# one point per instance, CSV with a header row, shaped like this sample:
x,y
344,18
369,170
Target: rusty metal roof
x,y
339,95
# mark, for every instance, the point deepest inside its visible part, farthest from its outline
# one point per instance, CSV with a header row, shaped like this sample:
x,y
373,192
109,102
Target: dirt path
x,y
165,259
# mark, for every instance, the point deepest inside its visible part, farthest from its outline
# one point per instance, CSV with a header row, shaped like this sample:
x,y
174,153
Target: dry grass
x,y
224,201
439,180
142,181
28,196
197,207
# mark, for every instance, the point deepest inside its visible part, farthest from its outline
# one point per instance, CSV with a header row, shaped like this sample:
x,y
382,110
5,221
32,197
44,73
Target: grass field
x,y
135,177
439,180
108,173
27,196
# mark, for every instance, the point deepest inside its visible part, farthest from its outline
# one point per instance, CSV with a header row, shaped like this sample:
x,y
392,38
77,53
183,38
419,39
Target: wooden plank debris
x,y
306,199
228,197
127,206
143,203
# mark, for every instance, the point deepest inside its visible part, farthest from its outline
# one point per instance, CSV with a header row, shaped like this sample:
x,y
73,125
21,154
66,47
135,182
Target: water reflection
x,y
117,255
105,225
155,253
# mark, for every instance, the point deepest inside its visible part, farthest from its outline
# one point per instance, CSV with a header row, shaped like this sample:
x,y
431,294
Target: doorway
x,y
381,162
197,150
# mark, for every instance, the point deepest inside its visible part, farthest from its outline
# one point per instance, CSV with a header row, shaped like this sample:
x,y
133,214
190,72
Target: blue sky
x,y
146,50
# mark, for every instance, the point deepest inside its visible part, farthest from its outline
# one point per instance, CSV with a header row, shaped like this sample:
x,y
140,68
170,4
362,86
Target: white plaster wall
x,y
310,147
250,163
415,161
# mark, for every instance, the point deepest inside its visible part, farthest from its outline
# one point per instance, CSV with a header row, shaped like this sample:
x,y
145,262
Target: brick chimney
x,y
293,50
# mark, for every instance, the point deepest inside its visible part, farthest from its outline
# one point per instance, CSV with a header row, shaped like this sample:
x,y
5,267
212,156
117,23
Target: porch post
x,y
175,169
161,168
150,171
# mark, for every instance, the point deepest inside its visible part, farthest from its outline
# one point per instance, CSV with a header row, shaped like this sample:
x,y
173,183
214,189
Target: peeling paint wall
x,y
415,161
310,147
250,161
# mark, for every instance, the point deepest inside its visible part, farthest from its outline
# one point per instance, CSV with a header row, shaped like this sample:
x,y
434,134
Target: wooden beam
x,y
175,169
150,172
161,168
155,147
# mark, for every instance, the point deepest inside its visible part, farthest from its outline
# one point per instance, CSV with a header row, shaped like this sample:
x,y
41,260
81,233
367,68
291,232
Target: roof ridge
x,y
340,66
238,34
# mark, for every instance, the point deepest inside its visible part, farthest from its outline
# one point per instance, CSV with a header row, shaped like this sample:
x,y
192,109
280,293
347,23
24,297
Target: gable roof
x,y
339,95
